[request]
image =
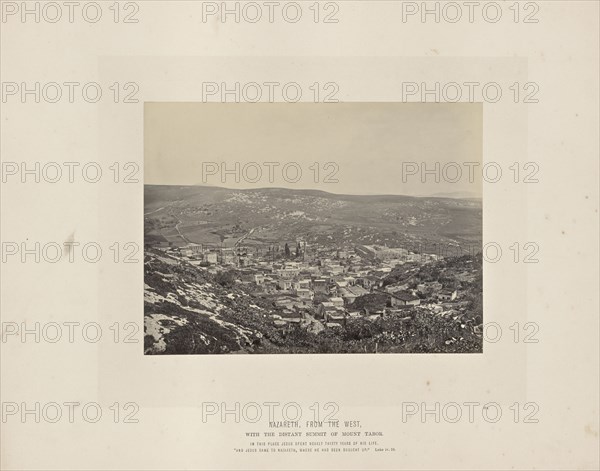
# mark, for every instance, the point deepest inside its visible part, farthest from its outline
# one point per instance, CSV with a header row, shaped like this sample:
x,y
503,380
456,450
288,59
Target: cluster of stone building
x,y
320,288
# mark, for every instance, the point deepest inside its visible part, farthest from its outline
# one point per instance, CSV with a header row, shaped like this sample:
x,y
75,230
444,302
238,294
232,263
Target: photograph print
x,y
276,228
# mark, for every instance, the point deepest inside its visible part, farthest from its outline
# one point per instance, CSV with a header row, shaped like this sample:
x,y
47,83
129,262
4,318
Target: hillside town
x,y
325,287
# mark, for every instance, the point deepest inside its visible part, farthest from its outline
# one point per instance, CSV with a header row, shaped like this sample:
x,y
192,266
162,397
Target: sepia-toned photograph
x,y
304,235
321,228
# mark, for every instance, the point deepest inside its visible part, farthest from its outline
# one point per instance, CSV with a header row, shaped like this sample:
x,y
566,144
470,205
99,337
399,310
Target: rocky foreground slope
x,y
190,311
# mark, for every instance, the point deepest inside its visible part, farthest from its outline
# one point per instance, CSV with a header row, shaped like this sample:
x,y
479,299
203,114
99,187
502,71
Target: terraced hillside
x,y
220,216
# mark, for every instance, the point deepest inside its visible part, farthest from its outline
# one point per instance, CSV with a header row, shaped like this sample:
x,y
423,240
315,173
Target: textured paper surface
x,y
369,53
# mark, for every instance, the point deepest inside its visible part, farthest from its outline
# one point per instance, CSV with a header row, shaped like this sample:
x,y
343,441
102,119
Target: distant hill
x,y
214,215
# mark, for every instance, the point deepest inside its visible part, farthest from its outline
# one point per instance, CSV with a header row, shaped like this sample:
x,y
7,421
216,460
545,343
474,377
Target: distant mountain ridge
x,y
322,193
216,215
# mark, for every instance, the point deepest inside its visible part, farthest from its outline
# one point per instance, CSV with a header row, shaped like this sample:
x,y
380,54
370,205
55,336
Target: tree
x,y
225,279
287,250
298,249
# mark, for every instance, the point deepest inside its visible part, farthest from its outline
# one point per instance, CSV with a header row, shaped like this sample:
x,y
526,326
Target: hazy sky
x,y
369,143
